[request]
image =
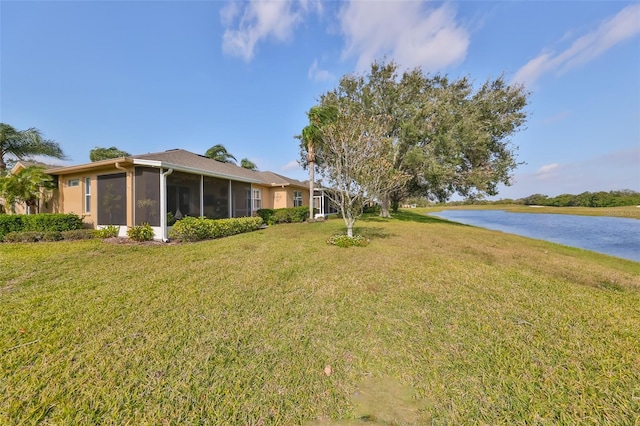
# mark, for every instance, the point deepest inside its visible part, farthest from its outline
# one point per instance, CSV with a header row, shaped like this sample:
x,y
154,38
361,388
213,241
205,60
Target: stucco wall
x,y
71,199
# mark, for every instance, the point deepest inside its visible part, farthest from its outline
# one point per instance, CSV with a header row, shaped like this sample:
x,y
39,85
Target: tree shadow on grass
x,y
405,216
373,232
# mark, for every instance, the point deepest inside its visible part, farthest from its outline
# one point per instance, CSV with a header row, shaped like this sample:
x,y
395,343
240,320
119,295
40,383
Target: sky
x,y
148,76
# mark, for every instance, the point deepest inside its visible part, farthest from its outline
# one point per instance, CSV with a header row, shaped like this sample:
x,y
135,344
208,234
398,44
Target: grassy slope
x,y
487,328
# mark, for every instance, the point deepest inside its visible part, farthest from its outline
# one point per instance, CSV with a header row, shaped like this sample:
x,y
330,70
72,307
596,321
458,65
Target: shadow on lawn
x,y
405,216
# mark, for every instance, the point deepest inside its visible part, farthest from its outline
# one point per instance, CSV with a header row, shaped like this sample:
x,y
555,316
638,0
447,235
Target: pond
x,y
614,236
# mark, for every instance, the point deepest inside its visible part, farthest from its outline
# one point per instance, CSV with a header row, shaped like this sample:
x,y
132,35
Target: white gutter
x,y
163,204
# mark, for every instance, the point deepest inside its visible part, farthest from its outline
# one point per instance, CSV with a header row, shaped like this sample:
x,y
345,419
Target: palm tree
x,y
23,144
311,138
219,153
248,164
25,187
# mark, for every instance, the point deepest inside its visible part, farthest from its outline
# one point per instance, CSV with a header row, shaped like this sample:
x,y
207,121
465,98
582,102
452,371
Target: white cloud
x,y
316,74
546,171
257,20
291,165
610,32
408,32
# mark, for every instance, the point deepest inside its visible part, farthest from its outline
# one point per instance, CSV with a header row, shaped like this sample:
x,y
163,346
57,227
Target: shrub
x,y
23,237
41,222
79,234
286,215
141,232
199,228
108,231
52,236
347,241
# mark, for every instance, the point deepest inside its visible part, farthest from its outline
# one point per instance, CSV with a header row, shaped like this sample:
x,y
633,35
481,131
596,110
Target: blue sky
x,y
146,76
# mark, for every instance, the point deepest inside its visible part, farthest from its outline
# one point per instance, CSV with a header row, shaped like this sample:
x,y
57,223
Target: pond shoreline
x,y
611,235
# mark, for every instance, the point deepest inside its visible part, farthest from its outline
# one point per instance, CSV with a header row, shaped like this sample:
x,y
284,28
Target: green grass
x,y
433,322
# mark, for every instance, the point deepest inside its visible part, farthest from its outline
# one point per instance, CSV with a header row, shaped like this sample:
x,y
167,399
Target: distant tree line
x,y
624,197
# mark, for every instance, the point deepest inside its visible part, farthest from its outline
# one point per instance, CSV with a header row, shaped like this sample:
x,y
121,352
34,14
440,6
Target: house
x,y
163,187
44,202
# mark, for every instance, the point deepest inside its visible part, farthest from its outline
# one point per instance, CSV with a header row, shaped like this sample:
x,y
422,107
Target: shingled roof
x,y
181,159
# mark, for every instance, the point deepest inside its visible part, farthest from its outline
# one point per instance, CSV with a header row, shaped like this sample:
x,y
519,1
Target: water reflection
x,y
614,236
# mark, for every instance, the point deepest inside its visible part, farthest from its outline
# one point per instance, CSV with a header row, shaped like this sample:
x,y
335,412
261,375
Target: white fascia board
x,y
192,170
152,163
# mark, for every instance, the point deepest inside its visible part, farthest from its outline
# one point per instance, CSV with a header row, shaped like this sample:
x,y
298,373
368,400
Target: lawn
x,y
432,323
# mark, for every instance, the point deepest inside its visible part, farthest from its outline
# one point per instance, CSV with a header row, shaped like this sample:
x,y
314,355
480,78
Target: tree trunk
x,y
384,208
311,189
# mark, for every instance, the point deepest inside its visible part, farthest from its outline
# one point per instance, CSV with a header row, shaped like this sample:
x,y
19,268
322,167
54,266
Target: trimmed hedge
x,y
286,215
199,228
42,222
37,236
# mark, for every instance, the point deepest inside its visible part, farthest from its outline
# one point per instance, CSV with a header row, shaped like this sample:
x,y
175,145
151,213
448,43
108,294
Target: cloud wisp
x,y
258,20
317,74
410,32
609,33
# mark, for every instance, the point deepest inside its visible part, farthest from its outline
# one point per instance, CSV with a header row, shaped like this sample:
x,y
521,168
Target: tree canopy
x,y
248,164
99,153
445,134
219,153
24,187
24,144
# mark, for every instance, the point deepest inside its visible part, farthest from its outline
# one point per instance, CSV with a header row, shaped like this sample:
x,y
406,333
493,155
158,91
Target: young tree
x,y
23,144
355,164
25,187
219,153
245,163
99,153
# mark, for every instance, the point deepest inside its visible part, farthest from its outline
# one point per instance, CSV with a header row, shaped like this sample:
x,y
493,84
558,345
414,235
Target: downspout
x,y
163,204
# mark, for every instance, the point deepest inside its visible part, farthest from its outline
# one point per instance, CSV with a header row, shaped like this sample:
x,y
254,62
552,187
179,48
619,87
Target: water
x,y
614,236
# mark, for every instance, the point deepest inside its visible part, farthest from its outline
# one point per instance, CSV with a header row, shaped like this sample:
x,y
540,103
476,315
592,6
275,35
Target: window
x,y
257,199
297,198
87,195
73,182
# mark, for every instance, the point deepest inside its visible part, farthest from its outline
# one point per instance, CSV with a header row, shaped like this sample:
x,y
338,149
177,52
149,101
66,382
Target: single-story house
x,y
163,187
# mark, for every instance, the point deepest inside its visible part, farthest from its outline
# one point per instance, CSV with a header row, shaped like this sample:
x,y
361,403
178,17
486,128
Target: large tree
x,y
447,135
24,144
24,187
99,153
219,153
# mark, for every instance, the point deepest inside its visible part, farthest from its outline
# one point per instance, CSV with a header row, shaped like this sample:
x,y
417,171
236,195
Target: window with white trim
x,y
87,195
73,182
257,199
297,198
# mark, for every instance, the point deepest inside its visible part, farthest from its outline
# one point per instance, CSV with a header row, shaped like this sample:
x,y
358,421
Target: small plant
x,y
142,232
347,241
108,231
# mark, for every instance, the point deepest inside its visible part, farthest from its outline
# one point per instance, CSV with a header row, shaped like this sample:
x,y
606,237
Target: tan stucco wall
x,y
71,199
283,197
